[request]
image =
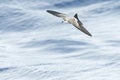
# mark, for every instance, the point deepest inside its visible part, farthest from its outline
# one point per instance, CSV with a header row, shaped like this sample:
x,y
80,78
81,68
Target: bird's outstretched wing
x,y
58,14
79,25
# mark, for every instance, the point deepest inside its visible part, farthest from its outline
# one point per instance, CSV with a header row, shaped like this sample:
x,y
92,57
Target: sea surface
x,y
35,45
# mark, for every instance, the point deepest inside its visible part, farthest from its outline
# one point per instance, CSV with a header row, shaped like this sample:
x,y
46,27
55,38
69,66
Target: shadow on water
x,y
57,45
15,20
5,69
114,43
93,55
76,3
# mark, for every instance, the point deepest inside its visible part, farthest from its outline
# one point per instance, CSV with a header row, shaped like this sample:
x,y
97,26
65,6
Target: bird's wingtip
x,y
90,35
47,10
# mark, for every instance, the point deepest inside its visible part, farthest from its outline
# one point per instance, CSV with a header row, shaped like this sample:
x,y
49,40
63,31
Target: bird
x,y
72,20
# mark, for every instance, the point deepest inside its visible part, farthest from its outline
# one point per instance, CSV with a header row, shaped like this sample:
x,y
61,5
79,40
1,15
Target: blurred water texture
x,y
34,45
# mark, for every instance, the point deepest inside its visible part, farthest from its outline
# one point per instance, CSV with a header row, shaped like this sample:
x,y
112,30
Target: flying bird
x,y
72,20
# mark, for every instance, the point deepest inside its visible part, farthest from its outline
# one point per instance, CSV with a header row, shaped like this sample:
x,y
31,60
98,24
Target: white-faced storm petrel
x,y
72,20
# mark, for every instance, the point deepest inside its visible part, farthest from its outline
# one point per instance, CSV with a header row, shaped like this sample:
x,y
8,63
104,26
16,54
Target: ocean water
x,y
34,45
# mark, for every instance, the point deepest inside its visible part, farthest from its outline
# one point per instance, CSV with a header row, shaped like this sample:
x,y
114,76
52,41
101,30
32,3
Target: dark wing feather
x,y
81,28
84,30
58,14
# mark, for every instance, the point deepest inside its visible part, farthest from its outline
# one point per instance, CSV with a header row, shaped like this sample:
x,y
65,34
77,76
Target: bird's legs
x,y
64,22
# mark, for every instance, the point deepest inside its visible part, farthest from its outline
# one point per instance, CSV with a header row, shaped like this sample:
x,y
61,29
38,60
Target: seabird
x,y
72,20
